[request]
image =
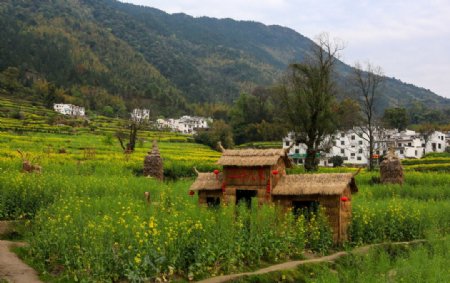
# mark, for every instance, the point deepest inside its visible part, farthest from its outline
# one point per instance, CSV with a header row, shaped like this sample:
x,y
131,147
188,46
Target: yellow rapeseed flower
x,y
137,259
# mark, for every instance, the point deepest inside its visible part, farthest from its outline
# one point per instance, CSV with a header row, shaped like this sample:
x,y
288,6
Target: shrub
x,y
337,160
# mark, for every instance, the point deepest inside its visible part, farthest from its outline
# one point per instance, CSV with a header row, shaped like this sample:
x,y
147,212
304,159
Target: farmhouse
x,y
261,174
69,109
185,125
139,115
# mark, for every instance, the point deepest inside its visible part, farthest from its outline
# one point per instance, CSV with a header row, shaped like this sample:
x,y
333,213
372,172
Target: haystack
x,y
391,169
153,163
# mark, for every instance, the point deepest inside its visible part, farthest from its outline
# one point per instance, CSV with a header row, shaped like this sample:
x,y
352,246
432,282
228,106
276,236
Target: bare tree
x,y
368,83
307,95
128,140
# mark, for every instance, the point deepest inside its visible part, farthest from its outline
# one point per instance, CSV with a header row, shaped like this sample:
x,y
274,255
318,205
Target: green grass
x,y
87,219
427,262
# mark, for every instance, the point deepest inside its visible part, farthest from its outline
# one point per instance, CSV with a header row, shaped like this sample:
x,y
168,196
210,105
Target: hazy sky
x,y
409,39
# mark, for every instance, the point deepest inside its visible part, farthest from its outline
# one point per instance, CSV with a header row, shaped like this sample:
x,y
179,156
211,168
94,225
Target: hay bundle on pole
x,y
153,163
391,169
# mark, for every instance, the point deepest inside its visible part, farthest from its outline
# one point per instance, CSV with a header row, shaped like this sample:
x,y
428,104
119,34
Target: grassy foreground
x,y
87,219
425,262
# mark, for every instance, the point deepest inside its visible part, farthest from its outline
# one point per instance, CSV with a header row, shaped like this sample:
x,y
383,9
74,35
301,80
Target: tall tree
x,y
308,94
395,118
367,83
252,117
348,114
219,132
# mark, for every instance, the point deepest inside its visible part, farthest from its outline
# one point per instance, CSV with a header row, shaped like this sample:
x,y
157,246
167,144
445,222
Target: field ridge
x,y
293,264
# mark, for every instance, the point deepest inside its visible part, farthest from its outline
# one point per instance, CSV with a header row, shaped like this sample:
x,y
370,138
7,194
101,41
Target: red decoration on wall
x,y
275,172
268,187
261,174
344,199
191,193
224,186
240,176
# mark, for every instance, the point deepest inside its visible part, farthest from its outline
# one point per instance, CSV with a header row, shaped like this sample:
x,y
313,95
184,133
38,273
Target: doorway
x,y
213,202
245,196
305,208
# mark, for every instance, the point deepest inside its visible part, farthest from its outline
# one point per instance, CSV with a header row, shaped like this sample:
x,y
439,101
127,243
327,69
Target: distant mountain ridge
x,y
160,59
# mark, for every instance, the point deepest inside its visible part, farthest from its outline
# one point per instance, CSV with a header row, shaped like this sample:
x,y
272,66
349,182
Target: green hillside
x,y
58,41
108,56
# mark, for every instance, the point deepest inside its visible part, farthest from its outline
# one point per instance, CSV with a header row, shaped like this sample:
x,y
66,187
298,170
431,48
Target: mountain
x,y
146,56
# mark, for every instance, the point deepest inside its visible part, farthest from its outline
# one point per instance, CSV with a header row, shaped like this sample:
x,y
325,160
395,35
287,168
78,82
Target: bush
x,y
336,160
108,139
19,115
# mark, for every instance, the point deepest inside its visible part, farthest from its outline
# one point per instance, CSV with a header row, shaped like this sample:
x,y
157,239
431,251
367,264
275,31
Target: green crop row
x,y
442,167
434,160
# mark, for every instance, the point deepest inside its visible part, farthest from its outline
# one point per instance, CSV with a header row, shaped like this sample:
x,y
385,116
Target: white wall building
x,y
140,114
69,109
353,146
437,142
185,125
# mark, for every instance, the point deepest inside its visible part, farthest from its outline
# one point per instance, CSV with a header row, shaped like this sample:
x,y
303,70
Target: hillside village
x,y
184,125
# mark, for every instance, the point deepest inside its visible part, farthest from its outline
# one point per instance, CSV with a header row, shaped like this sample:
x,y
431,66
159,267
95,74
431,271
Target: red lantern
x,y
344,199
275,172
191,193
216,172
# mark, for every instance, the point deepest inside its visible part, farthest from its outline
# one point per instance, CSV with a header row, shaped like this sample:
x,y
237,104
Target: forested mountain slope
x,y
105,48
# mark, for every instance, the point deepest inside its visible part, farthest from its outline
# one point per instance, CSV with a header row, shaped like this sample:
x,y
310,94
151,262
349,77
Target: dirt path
x,y
12,269
294,264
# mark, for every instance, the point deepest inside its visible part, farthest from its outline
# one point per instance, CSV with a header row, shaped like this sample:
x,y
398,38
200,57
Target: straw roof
x,y
315,184
253,157
207,181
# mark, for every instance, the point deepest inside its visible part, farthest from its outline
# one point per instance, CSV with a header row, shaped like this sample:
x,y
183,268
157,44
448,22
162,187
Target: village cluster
x,y
185,124
353,145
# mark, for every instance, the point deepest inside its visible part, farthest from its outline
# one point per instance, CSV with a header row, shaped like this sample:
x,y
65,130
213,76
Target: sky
x,y
408,39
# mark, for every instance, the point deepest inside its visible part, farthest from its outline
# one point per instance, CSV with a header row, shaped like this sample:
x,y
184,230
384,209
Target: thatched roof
x,y
253,157
315,184
207,181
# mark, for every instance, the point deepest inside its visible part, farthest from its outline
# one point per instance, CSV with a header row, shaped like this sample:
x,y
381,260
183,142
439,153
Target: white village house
x,y
185,125
140,114
69,109
353,146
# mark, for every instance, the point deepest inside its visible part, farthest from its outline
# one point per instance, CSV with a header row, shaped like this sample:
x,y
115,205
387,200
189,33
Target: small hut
x,y
247,173
153,163
261,174
391,170
209,187
306,192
